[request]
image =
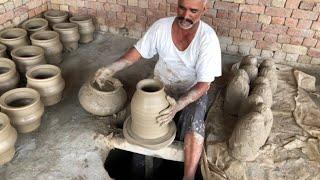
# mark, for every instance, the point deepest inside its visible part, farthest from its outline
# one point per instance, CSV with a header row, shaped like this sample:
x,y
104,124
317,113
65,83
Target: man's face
x,y
190,12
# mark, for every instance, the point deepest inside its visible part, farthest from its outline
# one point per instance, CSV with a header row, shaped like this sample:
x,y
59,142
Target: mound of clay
x,y
251,70
251,133
237,91
249,104
263,89
249,60
271,74
267,63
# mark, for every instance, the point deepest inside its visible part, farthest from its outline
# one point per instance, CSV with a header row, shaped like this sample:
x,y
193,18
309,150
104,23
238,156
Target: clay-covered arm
x,y
192,95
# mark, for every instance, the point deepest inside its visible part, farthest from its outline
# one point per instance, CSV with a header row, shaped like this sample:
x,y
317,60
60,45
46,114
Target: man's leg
x,y
191,130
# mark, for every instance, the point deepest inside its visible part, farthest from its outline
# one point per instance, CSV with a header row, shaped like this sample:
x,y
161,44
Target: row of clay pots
x,y
8,138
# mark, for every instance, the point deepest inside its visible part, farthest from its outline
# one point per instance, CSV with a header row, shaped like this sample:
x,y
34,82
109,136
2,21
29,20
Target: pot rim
x,y
23,31
6,122
47,14
3,47
116,89
75,26
35,19
43,66
43,32
73,18
13,52
11,64
4,105
143,82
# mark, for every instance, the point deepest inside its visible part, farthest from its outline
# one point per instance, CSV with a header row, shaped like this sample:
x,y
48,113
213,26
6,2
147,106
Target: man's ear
x,y
205,8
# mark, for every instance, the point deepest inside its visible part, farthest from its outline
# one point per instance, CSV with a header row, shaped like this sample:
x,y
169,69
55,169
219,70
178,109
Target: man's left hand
x,y
166,115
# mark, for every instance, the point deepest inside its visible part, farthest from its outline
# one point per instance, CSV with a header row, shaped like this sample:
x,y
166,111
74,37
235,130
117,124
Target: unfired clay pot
x,y
249,60
14,37
267,63
47,80
103,101
86,28
55,16
251,70
262,88
35,24
24,108
3,50
69,35
27,57
271,74
9,77
50,42
141,128
8,137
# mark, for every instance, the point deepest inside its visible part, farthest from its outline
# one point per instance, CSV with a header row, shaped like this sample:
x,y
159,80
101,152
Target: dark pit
x,y
150,88
20,102
43,76
106,87
4,70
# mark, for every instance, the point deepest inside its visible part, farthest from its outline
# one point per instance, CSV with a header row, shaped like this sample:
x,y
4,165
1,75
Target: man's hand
x,y
166,115
102,75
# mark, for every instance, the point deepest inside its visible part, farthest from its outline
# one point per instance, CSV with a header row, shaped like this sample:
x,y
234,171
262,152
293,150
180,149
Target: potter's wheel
x,y
154,144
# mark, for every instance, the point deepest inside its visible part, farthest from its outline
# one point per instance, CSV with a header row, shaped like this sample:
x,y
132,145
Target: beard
x,y
185,23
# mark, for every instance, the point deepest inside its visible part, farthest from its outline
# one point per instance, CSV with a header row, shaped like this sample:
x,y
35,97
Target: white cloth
x,y
181,70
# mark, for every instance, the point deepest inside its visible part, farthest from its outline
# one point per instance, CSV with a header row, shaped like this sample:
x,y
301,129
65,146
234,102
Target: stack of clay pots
x,y
9,77
14,37
55,16
8,138
142,128
69,35
35,25
3,50
86,28
50,42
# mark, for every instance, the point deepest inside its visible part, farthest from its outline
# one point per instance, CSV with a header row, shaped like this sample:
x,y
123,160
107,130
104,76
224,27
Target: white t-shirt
x,y
181,70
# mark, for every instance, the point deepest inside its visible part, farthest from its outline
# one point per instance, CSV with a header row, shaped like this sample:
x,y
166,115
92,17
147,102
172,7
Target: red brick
x,y
224,22
245,34
234,16
135,10
6,16
300,32
252,1
248,17
268,46
141,19
20,10
292,4
317,8
280,12
270,37
31,13
222,13
316,25
309,42
116,8
274,28
277,20
296,40
307,5
304,24
284,39
265,2
226,6
302,14
256,9
318,44
136,26
291,22
223,31
258,35
235,32
314,52
249,26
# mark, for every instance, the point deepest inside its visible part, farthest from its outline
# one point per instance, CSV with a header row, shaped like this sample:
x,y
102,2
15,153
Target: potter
x,y
189,60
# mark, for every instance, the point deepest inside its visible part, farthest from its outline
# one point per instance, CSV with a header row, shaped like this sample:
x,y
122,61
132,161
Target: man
x,y
189,60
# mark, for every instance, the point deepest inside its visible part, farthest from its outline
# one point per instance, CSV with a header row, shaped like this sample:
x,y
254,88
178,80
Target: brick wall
x,y
286,30
13,12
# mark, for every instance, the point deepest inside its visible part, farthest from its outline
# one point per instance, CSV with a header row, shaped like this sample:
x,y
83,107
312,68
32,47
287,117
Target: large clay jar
x,y
249,60
86,28
50,42
9,77
55,16
35,24
3,50
8,137
24,108
47,80
14,37
69,35
103,101
27,57
141,128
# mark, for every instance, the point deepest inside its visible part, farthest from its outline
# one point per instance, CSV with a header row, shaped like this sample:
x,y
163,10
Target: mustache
x,y
184,19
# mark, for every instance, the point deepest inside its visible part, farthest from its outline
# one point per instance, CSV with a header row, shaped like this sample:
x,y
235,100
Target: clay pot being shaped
x,y
103,101
69,35
35,24
8,137
50,42
55,16
141,128
27,57
3,50
86,28
24,108
9,77
14,37
47,80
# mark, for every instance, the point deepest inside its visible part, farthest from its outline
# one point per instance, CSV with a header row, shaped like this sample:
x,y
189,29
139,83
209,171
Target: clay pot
x,y
50,42
27,57
262,88
14,37
24,108
271,74
35,24
267,63
9,77
8,137
251,70
55,16
86,28
103,101
3,50
47,80
69,35
249,60
146,104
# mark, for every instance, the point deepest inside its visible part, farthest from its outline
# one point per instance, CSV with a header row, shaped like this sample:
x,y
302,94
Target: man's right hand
x,y
102,75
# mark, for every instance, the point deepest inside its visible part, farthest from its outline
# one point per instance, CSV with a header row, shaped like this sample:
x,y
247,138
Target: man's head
x,y
190,12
